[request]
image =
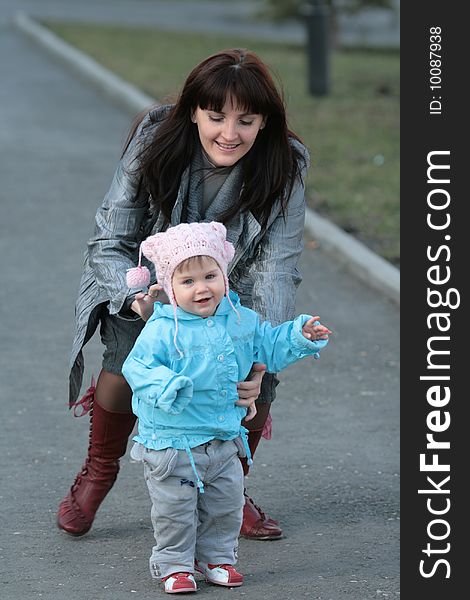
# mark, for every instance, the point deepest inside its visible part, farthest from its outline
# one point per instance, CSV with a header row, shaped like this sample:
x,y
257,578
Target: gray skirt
x,y
118,336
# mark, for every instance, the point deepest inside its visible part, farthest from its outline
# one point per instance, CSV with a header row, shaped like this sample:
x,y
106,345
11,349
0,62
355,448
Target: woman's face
x,y
227,136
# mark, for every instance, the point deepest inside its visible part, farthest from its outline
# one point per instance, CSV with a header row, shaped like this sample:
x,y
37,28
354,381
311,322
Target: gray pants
x,y
186,523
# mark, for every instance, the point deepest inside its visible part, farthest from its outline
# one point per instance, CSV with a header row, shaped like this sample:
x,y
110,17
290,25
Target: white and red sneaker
x,y
225,575
179,583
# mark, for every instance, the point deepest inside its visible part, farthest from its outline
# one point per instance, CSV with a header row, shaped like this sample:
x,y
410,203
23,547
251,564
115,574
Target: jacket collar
x,y
166,310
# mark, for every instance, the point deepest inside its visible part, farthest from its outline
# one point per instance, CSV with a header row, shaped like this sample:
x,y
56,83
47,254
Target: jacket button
x,y
220,358
223,393
210,323
221,418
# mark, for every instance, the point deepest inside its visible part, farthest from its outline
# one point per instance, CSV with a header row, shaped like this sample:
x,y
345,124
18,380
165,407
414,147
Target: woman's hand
x,y
143,302
248,391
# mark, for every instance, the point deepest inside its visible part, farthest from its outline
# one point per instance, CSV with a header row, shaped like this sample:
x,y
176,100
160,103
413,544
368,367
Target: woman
x,y
222,152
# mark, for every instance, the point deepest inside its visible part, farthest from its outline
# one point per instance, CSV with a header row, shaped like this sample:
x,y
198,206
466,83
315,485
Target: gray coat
x,y
263,271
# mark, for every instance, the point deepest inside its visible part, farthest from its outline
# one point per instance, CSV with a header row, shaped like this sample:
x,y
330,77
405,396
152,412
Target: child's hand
x,y
313,330
143,302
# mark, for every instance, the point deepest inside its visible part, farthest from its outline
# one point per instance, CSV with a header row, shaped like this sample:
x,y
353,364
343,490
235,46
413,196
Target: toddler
x,y
183,371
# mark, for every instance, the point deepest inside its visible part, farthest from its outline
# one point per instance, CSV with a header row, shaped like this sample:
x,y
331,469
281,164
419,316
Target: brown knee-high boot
x,y
109,433
257,524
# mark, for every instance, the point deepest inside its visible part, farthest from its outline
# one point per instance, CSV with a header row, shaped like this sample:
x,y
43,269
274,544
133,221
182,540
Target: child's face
x,y
198,285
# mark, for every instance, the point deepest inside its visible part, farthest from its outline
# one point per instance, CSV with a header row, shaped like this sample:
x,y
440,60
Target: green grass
x,y
352,134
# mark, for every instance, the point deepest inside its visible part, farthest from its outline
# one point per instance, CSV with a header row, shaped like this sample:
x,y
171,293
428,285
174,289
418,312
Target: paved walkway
x,y
330,473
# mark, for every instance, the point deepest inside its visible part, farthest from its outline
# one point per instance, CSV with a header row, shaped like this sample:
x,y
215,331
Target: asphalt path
x,y
330,473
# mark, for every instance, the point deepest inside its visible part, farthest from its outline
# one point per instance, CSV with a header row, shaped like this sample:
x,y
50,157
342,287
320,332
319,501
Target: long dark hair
x,y
271,166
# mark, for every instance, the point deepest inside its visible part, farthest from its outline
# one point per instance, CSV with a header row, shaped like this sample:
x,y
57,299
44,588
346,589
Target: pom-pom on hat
x,y
138,276
168,249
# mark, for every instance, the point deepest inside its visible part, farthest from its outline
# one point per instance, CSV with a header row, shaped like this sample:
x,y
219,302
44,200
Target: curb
x,y
367,266
115,88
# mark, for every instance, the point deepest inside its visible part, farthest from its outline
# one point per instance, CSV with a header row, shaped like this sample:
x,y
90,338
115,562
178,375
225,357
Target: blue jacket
x,y
182,402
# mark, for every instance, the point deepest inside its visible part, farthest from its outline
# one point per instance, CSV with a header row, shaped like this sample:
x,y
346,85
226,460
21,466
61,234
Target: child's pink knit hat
x,y
170,248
